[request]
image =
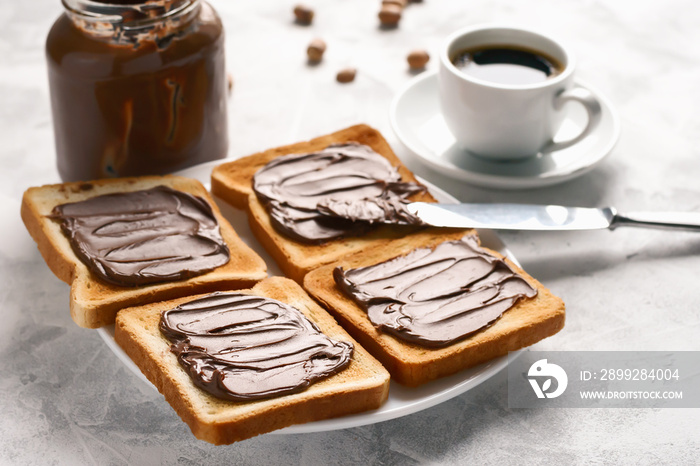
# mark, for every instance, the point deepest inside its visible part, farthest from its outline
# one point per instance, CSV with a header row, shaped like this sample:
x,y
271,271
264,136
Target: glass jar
x,y
137,87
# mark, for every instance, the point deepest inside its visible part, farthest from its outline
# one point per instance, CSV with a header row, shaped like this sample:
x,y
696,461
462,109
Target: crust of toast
x,y
526,323
233,182
363,385
94,302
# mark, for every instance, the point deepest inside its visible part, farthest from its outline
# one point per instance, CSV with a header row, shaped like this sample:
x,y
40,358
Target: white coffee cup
x,y
506,121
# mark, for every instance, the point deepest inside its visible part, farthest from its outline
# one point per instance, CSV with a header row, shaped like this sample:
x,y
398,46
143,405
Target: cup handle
x,y
592,106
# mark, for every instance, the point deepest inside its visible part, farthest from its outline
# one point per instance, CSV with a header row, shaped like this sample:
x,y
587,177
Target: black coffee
x,y
506,65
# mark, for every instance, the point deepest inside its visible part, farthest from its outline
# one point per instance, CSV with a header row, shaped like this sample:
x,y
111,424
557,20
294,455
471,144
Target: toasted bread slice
x,y
529,321
94,302
361,386
233,182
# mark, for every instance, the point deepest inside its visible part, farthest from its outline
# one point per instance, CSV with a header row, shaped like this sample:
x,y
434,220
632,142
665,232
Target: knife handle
x,y
689,221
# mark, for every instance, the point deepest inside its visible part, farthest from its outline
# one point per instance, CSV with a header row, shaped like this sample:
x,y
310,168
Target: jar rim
x,y
139,14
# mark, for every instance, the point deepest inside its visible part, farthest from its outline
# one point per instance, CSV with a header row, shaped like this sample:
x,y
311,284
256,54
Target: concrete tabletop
x,y
65,398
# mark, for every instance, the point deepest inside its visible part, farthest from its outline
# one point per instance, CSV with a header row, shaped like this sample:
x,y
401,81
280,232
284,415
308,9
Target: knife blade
x,y
546,217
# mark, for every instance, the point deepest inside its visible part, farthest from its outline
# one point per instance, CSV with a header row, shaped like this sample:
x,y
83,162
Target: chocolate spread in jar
x,y
137,88
434,297
339,191
143,237
243,347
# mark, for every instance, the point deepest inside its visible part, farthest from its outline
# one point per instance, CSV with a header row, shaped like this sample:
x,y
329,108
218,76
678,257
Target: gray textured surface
x,y
66,399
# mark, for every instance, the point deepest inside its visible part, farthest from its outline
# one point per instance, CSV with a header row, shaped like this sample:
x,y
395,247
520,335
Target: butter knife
x,y
546,217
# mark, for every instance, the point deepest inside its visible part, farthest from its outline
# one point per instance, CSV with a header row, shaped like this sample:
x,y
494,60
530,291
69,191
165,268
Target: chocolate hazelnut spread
x,y
143,237
379,210
434,297
336,192
242,347
137,88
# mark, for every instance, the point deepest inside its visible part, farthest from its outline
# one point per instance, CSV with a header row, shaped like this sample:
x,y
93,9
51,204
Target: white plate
x,y
402,400
418,123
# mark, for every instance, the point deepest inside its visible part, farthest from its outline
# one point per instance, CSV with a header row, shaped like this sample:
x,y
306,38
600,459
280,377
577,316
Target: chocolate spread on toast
x,y
434,297
342,190
242,347
142,237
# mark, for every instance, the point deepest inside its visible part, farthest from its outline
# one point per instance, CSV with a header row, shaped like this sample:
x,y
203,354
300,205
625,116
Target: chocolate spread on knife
x,y
337,192
434,297
384,209
242,347
142,237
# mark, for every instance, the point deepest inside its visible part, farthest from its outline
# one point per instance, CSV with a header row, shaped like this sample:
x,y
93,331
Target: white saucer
x,y
419,125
